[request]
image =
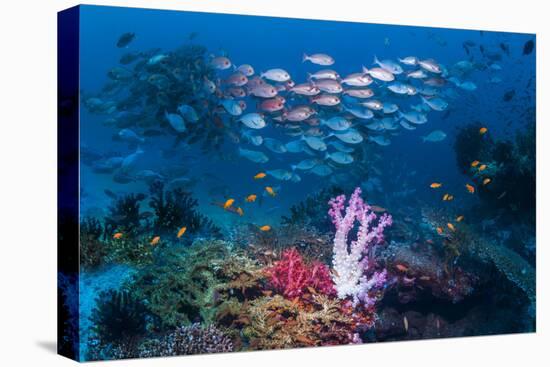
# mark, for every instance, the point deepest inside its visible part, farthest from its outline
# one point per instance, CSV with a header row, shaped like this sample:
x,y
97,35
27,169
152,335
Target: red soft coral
x,y
291,276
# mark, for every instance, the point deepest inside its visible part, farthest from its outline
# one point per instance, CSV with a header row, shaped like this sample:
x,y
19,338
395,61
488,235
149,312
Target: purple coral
x,y
351,262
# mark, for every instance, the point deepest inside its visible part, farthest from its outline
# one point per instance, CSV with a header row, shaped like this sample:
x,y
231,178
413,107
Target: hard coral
x,y
273,322
291,276
191,339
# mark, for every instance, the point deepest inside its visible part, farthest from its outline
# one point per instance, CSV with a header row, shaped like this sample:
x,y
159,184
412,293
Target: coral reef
x,y
291,276
191,339
118,315
351,262
92,249
510,167
311,211
275,322
177,208
124,215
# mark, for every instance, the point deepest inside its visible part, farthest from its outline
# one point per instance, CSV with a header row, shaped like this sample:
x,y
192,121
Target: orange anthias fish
x,y
228,203
230,209
439,230
486,181
474,163
260,176
270,190
155,240
181,231
459,218
482,167
470,188
436,185
483,130
117,235
451,226
250,198
240,211
445,197
401,267
265,228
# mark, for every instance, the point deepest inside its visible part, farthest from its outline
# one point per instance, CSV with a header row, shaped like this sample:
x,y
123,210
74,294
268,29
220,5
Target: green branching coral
x,y
180,284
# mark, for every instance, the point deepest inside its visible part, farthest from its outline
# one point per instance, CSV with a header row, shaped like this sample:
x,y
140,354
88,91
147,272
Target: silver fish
x,y
321,170
351,136
389,65
274,145
253,155
176,121
253,120
280,174
380,140
337,123
434,136
232,107
414,117
436,103
295,146
315,143
340,157
305,164
341,147
130,136
359,112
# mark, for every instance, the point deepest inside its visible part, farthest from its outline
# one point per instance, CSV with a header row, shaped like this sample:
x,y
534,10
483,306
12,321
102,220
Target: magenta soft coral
x,y
292,276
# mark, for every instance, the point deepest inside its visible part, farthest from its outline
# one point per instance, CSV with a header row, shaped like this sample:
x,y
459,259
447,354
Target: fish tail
x,y
293,167
304,57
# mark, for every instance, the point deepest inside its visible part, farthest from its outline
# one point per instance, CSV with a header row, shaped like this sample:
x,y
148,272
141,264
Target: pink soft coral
x,y
291,276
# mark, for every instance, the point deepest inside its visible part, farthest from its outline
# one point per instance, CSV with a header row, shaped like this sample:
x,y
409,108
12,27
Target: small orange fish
x,y
482,167
450,197
445,197
483,130
265,228
228,203
470,188
240,211
459,218
270,190
474,163
451,226
401,267
439,230
436,185
378,209
260,176
117,235
250,198
181,231
486,181
155,240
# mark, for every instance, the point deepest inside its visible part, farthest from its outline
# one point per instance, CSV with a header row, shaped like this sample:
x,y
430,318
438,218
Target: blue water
x,y
404,169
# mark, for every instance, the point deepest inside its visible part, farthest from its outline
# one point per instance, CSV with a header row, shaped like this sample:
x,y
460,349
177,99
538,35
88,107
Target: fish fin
x,y
304,57
364,69
376,61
